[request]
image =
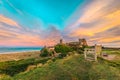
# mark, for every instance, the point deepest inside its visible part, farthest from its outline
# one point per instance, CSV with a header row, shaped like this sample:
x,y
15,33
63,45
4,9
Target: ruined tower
x,y
61,41
83,42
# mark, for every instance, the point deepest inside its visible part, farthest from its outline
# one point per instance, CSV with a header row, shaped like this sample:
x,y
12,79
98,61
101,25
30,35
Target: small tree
x,y
44,52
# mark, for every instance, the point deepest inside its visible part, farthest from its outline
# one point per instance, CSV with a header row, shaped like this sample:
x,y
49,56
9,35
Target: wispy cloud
x,y
98,18
13,34
8,21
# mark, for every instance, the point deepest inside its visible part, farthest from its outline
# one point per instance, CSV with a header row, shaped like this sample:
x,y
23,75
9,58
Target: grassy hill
x,y
73,67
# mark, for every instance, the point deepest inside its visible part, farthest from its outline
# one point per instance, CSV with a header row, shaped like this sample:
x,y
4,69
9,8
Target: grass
x,y
109,51
14,67
73,67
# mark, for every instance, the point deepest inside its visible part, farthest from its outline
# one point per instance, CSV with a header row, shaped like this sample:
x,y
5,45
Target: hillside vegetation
x,y
14,67
73,67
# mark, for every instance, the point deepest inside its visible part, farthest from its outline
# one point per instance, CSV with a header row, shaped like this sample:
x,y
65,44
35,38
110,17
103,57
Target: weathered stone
x,y
92,53
77,44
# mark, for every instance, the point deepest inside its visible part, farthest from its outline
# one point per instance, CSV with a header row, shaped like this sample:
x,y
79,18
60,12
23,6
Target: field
x,y
112,54
19,55
72,67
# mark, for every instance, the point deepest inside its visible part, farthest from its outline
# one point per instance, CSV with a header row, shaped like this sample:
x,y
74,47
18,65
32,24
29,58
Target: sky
x,y
45,22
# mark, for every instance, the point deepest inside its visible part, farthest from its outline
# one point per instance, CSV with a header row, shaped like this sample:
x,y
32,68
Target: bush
x,y
61,48
13,67
44,52
62,55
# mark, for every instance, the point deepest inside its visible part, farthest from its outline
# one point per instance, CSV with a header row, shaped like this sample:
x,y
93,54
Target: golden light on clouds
x,y
98,19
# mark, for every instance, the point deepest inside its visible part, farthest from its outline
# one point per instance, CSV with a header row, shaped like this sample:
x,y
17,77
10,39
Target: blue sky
x,y
44,22
48,12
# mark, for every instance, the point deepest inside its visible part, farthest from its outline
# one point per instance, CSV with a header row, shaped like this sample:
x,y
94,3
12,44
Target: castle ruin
x,y
79,43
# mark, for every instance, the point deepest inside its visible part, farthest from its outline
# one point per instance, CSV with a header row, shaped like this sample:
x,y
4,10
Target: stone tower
x,y
83,42
61,41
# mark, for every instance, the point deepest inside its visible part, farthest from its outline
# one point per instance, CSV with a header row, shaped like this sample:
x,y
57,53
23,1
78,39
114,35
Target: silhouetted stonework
x,y
61,41
83,42
79,43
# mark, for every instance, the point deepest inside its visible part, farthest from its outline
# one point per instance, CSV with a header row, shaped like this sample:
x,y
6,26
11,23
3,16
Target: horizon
x,y
37,23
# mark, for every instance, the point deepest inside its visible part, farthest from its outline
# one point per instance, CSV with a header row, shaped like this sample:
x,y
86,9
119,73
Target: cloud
x,y
8,21
23,36
111,35
96,21
12,34
52,35
94,11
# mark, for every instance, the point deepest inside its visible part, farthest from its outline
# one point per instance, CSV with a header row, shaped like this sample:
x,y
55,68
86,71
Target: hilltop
x,y
73,67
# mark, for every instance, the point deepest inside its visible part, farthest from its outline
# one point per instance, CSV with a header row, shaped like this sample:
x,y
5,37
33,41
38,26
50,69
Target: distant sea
x,y
4,50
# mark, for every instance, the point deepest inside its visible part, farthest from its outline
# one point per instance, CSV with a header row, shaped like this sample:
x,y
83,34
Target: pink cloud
x,y
8,21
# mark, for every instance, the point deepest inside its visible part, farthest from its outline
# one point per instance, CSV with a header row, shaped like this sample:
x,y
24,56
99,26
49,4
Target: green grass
x,y
108,51
112,63
14,67
72,68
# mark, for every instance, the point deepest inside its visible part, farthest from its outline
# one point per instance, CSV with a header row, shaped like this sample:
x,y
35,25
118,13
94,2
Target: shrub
x,y
13,67
44,52
61,48
62,55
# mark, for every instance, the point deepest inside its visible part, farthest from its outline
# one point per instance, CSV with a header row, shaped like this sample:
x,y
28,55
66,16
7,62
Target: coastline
x,y
11,56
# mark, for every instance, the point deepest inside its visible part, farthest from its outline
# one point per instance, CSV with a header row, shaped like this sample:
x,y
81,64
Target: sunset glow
x,y
44,22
